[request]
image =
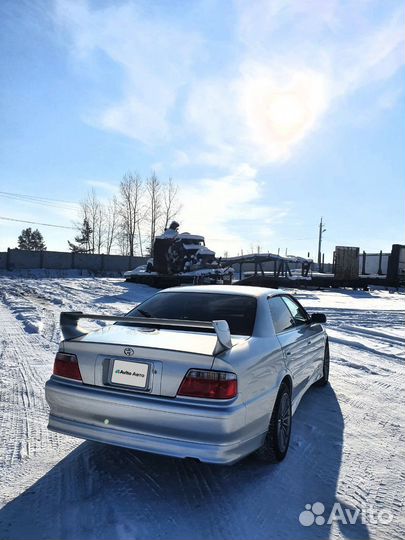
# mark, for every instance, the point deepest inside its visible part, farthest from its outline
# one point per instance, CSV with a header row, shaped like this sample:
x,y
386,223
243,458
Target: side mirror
x,y
318,318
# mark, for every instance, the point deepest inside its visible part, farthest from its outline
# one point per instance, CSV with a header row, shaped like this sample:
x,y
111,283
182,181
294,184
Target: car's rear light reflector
x,y
209,384
66,365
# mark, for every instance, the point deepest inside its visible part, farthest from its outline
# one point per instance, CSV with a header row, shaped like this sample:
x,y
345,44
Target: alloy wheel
x,y
284,422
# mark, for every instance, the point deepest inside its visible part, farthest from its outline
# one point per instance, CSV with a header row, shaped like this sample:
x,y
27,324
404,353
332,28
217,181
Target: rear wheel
x,y
277,439
326,362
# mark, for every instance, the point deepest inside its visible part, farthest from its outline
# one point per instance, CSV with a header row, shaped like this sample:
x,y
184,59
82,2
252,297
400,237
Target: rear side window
x,y
298,312
281,315
239,311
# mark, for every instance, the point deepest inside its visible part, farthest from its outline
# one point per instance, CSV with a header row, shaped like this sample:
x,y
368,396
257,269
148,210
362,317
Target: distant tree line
x,y
129,221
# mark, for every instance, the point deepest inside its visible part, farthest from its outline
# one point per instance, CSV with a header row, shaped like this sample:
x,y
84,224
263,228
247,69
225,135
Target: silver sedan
x,y
206,372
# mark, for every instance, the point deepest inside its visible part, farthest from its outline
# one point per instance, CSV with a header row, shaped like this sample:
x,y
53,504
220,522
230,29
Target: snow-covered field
x,y
348,439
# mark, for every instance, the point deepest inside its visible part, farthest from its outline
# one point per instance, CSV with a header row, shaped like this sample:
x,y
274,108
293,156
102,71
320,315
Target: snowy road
x,y
348,440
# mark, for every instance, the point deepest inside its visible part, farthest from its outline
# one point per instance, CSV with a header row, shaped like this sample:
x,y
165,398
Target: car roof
x,y
242,290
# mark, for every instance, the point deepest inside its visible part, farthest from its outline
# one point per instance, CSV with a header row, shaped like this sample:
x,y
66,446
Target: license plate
x,y
130,373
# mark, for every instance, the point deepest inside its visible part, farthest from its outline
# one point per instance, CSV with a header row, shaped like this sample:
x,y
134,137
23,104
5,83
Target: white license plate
x,y
130,373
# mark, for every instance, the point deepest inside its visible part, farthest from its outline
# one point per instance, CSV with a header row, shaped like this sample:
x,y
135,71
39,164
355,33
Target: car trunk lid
x,y
163,356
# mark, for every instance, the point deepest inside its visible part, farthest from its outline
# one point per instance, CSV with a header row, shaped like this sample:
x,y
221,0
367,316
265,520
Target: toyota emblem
x,y
128,351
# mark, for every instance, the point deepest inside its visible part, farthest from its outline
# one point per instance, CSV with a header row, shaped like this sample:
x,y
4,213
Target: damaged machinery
x,y
179,258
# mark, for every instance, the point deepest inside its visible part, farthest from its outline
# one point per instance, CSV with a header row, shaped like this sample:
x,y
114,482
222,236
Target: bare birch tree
x,y
122,242
130,221
170,204
91,210
153,207
131,190
111,224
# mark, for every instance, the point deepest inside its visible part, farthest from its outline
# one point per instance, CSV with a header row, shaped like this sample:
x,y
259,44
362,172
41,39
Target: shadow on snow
x,y
101,491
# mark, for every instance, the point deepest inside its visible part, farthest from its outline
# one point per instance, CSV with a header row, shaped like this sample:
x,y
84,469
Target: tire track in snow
x,y
23,408
378,430
347,449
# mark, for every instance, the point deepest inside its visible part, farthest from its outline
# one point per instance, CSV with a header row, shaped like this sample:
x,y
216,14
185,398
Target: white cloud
x,y
273,109
108,187
389,98
292,70
154,56
375,54
285,67
180,159
229,209
292,61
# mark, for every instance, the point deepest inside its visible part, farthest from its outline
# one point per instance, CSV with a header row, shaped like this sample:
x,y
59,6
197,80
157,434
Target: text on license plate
x,y
130,373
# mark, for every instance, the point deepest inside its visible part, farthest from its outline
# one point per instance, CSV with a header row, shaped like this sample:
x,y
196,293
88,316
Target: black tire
x,y
275,446
326,363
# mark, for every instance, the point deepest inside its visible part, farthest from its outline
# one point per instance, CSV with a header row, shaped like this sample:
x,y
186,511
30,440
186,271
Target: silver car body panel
x,y
155,419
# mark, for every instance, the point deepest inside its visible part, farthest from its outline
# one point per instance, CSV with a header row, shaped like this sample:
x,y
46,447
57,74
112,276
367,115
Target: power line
x,y
37,223
36,197
42,201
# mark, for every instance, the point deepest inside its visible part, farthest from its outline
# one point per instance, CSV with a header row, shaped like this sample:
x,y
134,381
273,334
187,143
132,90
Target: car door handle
x,y
309,342
288,353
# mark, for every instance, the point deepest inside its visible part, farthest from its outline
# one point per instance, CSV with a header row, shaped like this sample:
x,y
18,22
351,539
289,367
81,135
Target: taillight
x,y
66,365
209,384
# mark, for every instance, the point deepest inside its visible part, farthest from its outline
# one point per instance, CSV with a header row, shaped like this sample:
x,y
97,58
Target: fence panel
x,y
15,259
56,260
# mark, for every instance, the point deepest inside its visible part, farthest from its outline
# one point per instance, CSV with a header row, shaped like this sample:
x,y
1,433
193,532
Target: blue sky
x,y
268,114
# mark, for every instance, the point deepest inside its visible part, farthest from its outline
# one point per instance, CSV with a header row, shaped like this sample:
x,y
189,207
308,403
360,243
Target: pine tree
x,y
31,240
83,239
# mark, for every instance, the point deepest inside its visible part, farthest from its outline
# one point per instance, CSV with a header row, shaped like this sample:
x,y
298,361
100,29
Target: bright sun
x,y
286,114
278,113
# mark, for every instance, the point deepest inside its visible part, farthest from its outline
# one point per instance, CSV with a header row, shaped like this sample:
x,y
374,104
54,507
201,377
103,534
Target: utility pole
x,y
321,231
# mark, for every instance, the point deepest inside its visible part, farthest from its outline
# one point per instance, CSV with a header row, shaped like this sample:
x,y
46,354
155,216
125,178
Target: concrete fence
x,y
16,259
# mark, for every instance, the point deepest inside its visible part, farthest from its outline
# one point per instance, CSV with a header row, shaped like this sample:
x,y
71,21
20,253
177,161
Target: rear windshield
x,y
239,311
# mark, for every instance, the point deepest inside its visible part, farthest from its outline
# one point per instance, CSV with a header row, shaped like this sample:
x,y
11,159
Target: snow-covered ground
x,y
348,439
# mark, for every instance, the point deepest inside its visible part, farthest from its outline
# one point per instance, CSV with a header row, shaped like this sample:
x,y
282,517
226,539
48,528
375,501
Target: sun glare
x,y
286,114
280,113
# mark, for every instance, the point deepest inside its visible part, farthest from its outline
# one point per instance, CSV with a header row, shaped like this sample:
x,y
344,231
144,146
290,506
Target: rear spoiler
x,y
71,330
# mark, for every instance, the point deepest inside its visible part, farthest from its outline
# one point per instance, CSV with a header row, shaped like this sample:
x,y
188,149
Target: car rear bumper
x,y
170,426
